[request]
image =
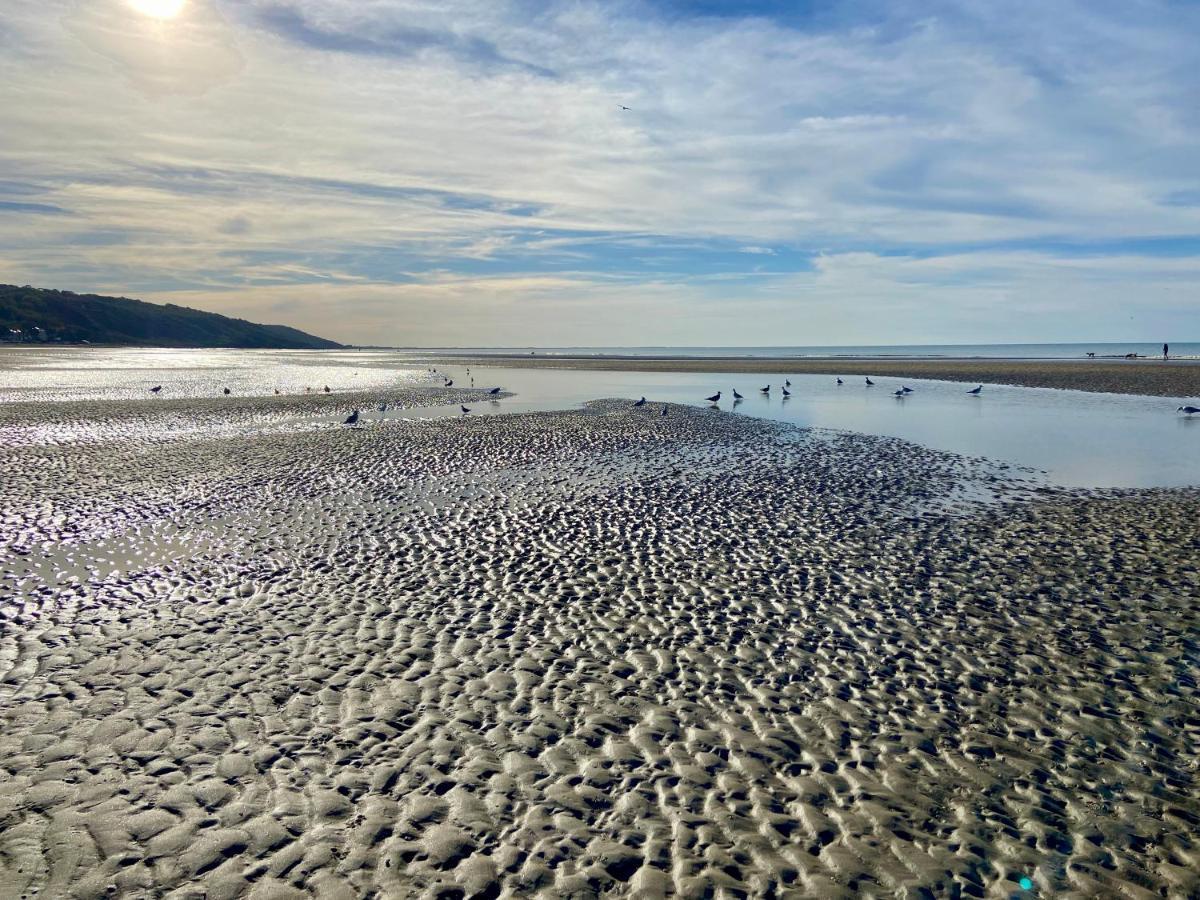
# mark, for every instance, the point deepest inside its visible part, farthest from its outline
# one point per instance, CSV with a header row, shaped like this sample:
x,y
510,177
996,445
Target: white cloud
x,y
355,144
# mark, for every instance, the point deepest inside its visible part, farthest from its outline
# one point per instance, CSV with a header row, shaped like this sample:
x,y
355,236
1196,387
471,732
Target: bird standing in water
x,y
1188,410
870,383
156,389
715,398
976,391
464,409
736,395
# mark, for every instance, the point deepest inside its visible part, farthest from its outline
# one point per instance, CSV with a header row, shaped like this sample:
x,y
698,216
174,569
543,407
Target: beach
x,y
603,652
1148,377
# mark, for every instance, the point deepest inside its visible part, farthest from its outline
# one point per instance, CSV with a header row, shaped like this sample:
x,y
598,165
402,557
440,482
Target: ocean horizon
x,y
1080,350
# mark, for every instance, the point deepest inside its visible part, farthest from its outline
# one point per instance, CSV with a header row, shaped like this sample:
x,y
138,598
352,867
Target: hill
x,y
37,314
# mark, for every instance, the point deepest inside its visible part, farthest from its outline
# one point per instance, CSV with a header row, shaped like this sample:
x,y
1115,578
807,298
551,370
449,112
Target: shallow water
x,y
1079,439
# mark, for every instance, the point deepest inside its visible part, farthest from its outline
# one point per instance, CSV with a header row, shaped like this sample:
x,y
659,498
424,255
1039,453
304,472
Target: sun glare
x,y
159,9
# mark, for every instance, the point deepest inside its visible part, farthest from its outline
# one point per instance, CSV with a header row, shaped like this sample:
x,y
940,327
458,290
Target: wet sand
x,y
580,654
1150,377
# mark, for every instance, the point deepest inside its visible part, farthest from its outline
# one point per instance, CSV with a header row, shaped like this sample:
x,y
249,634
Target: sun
x,y
159,9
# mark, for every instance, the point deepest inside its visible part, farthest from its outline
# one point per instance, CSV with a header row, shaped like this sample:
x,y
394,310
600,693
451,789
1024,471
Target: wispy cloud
x,y
353,152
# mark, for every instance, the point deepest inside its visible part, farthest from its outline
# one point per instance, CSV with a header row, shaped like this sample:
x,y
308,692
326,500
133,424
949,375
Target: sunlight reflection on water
x,y
1080,439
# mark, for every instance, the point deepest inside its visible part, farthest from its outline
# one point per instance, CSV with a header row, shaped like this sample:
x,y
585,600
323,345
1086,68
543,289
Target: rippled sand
x,y
583,654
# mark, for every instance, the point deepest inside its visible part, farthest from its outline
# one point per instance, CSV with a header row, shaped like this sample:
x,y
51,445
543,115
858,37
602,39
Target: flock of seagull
x,y
494,394
899,392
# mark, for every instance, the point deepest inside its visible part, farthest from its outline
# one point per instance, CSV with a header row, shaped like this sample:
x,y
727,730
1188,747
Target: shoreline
x,y
1144,377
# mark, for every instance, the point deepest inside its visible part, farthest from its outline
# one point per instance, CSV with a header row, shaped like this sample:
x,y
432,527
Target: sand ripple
x,y
596,653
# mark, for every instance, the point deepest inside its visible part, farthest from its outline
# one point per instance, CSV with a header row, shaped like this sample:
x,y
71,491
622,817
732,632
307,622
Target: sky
x,y
650,172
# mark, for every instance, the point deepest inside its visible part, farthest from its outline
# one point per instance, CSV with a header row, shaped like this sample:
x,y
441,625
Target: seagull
x,y
715,398
641,402
786,392
736,395
840,381
493,392
870,383
464,409
976,391
765,390
228,392
1188,410
352,419
156,389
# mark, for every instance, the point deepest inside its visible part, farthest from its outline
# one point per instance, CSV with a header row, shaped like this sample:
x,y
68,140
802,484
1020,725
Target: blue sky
x,y
462,172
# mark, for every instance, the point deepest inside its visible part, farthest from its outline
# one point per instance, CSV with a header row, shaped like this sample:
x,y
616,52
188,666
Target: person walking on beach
x,y
1165,349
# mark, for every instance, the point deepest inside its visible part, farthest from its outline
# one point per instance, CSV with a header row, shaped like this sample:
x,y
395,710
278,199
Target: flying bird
x,y
641,402
1188,410
352,419
870,383
976,391
715,398
156,389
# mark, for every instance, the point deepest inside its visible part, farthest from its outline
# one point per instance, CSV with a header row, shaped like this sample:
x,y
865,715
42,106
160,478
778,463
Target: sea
x,y
1181,349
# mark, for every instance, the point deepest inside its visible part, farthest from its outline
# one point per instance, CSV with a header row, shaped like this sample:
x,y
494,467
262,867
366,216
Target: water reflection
x,y
1080,439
